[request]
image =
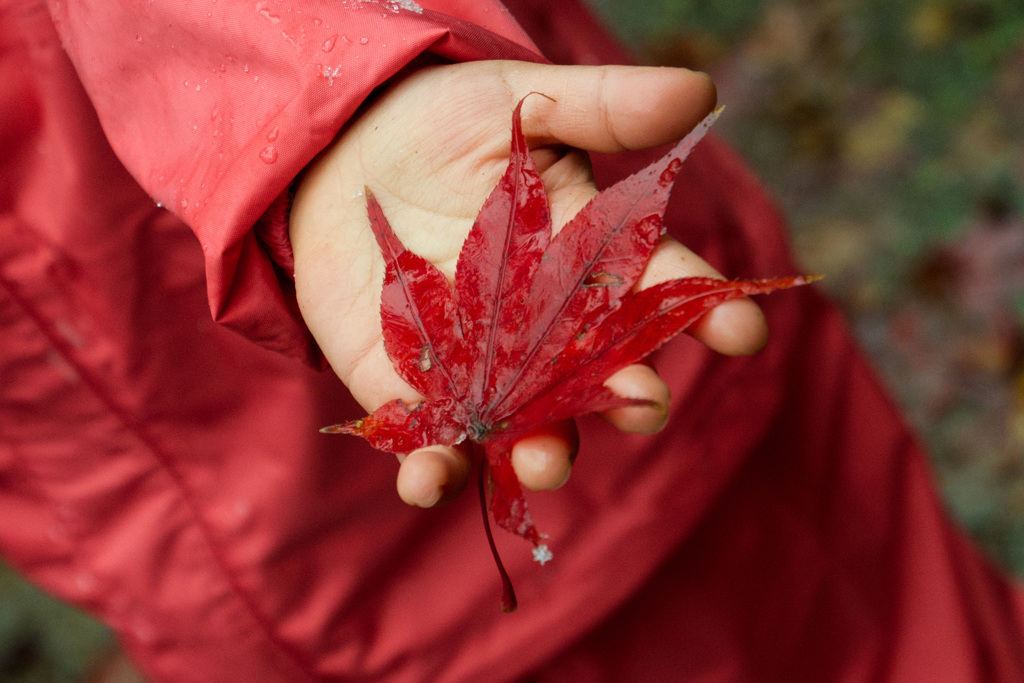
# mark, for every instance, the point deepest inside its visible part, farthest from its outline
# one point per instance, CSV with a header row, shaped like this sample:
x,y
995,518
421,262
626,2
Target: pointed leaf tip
x,y
351,427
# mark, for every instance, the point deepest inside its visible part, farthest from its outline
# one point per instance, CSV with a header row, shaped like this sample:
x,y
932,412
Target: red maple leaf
x,y
533,325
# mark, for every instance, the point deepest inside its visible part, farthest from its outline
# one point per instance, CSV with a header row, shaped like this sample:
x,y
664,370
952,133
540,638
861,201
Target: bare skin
x,y
432,147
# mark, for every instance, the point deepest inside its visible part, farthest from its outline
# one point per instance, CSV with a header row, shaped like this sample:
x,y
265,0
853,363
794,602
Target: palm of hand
x,y
430,176
431,148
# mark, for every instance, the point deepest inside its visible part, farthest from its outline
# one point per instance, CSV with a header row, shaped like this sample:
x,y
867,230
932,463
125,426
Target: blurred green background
x,y
892,135
891,132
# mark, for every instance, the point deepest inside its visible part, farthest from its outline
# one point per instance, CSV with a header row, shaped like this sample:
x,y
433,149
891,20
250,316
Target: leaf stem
x,y
508,594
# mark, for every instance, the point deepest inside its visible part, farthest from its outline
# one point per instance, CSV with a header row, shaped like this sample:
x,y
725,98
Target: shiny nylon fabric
x,y
166,474
237,98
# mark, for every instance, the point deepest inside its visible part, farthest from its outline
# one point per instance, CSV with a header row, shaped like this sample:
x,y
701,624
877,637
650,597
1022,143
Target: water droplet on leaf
x,y
669,174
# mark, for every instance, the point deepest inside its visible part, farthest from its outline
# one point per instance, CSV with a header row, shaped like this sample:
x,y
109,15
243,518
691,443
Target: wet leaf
x,y
533,325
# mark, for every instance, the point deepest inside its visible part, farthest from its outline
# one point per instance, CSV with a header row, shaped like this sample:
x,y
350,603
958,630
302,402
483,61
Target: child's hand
x,y
431,148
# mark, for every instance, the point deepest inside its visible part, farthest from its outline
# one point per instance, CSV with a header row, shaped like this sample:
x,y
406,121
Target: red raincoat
x,y
166,474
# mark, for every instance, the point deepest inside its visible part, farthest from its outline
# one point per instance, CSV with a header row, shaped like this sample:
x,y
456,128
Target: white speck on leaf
x,y
542,554
426,360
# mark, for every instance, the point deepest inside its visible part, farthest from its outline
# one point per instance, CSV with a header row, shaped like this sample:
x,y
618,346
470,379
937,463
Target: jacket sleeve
x,y
215,108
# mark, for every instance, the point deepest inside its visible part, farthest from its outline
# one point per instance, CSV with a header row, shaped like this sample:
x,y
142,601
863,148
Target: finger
x,y
735,328
543,458
433,475
639,382
611,108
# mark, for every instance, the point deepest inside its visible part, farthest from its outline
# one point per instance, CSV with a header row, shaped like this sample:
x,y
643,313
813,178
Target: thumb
x,y
618,108
610,108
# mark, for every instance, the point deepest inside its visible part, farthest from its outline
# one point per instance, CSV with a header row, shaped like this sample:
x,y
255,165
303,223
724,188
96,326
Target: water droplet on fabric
x,y
138,37
329,43
143,630
72,335
364,40
57,534
85,582
408,5
330,72
272,135
267,14
61,364
269,154
243,508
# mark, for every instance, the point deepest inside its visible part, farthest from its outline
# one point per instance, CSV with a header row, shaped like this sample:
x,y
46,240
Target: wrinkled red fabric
x,y
165,473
